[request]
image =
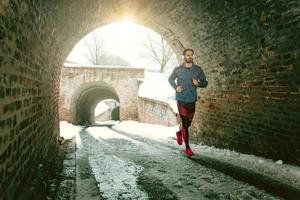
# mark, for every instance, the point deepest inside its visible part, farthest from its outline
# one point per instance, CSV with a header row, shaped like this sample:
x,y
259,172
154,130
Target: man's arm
x,y
172,78
202,78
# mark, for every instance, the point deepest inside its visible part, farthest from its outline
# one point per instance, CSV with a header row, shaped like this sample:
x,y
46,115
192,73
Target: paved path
x,y
111,165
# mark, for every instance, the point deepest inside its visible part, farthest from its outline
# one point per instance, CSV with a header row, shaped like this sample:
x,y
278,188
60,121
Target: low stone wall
x,y
104,116
156,112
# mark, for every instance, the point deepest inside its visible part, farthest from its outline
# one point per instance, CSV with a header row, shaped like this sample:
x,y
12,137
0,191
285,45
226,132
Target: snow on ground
x,y
106,123
153,131
117,178
68,130
163,134
276,169
173,104
127,167
284,172
156,86
68,64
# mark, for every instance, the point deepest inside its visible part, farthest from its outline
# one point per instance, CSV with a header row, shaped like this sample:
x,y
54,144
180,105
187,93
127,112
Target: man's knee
x,y
187,125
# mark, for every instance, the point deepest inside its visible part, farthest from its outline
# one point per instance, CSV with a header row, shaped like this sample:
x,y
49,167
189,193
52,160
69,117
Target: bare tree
x,y
158,51
96,53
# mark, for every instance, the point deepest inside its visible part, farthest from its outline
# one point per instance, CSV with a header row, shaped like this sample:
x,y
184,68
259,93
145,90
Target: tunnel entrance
x,y
108,109
86,98
248,49
125,45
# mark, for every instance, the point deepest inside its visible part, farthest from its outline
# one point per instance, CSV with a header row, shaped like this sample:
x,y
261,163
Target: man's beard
x,y
188,60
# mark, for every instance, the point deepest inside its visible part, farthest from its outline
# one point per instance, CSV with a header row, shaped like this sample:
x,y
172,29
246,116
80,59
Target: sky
x,y
123,39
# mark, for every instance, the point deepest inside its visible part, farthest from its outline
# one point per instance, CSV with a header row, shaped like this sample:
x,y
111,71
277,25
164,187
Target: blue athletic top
x,y
184,77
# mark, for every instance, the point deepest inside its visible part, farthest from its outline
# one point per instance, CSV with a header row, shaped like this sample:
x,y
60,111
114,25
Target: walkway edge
x,y
66,188
260,180
266,182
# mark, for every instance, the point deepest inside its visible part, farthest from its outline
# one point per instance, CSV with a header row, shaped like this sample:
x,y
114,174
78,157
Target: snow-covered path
x,y
127,167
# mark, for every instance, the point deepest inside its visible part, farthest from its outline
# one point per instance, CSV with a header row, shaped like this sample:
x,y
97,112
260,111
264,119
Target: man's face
x,y
188,57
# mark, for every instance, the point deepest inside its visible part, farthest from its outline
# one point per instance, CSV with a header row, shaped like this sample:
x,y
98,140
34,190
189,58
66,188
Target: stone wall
x,y
156,112
104,116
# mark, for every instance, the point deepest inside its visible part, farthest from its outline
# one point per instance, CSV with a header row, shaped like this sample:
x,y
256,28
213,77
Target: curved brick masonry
x,y
249,51
82,87
156,112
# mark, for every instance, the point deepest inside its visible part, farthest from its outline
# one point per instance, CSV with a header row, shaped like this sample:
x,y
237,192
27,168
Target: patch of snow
x,y
100,66
156,86
279,162
173,105
101,107
278,170
284,172
107,122
152,131
116,178
68,130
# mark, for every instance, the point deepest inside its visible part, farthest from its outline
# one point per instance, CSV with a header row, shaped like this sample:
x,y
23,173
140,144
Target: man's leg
x,y
186,112
185,130
179,133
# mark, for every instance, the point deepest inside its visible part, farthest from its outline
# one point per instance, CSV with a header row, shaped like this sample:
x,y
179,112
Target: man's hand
x,y
179,89
196,82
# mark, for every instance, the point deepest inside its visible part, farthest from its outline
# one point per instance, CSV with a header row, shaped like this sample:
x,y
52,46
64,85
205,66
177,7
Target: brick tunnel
x,y
86,99
249,51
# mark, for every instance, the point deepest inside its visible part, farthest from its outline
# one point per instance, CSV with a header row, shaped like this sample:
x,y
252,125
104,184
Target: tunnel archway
x,y
86,97
249,62
248,49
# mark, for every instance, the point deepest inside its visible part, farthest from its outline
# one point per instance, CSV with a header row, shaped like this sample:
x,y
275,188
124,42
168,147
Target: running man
x,y
189,76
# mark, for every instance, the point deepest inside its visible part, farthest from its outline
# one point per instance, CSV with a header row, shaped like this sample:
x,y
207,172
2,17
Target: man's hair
x,y
185,50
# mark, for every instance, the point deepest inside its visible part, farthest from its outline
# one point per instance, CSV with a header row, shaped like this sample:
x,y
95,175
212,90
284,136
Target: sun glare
x,y
127,19
123,38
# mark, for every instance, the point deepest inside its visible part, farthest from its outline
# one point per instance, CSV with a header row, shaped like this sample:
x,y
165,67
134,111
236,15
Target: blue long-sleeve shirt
x,y
184,78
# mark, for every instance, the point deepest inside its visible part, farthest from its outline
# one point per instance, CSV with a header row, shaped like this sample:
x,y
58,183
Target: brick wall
x,y
155,112
28,93
118,83
248,49
250,53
